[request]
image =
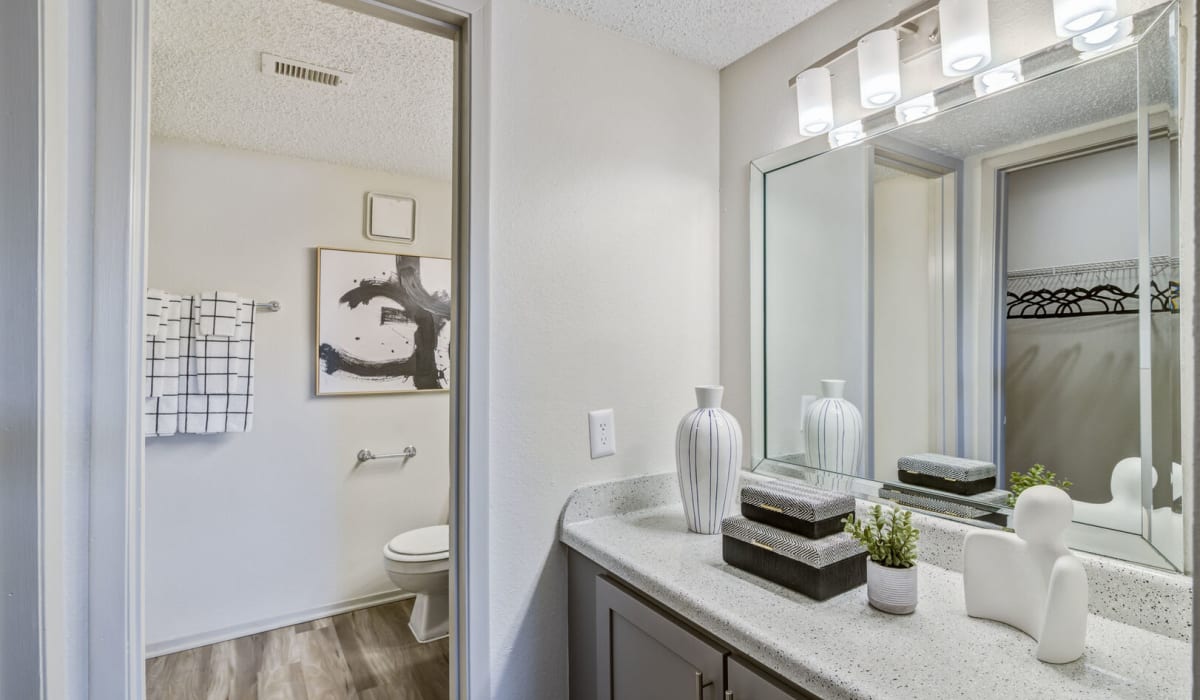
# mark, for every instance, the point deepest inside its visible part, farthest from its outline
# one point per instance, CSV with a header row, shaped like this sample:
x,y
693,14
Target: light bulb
x,y
966,36
879,68
1073,17
814,101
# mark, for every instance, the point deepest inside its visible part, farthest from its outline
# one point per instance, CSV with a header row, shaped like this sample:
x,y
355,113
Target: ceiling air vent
x,y
291,68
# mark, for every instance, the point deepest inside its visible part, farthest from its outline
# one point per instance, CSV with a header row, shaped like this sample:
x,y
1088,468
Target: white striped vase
x,y
833,431
891,589
708,457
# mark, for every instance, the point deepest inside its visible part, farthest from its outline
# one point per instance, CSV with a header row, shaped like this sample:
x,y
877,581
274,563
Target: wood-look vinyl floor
x,y
367,654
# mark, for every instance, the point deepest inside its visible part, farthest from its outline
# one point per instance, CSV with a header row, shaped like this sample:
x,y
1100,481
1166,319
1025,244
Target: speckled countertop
x,y
843,648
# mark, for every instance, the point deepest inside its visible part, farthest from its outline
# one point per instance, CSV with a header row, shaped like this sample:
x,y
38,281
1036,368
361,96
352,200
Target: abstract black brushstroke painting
x,y
383,322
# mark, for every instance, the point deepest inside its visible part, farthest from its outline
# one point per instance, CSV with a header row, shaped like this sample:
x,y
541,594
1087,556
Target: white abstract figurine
x,y
1030,580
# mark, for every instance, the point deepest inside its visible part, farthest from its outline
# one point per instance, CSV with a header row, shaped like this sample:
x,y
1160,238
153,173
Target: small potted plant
x,y
891,543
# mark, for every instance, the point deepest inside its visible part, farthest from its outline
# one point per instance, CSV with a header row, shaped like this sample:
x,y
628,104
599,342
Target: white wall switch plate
x,y
602,432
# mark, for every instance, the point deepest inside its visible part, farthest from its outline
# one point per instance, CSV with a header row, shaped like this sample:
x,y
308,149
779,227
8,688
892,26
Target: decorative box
x,y
819,569
909,498
804,510
965,477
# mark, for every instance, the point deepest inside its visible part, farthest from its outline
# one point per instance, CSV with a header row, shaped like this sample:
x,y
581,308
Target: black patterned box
x,y
797,508
820,568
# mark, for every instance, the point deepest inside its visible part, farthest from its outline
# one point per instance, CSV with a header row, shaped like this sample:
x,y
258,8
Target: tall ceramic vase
x,y
708,456
833,431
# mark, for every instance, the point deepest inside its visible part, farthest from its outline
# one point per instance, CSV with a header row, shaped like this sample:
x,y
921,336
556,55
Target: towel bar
x,y
267,305
406,453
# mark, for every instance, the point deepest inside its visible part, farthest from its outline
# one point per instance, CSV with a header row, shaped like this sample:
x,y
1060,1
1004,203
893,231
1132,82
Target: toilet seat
x,y
426,544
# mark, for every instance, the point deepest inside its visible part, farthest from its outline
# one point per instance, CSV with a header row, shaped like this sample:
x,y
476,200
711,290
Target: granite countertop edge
x,y
594,511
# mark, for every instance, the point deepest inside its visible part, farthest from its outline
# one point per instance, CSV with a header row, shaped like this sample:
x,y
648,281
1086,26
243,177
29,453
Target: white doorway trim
x,y
111,620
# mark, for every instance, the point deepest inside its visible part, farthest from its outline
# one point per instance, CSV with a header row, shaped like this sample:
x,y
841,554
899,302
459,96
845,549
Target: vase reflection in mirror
x,y
708,458
833,431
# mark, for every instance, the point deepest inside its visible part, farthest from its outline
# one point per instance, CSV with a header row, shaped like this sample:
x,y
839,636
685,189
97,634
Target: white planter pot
x,y
892,590
833,431
708,457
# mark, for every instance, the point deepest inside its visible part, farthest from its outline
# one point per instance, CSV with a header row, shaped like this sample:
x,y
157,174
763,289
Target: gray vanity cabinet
x,y
744,683
643,655
624,647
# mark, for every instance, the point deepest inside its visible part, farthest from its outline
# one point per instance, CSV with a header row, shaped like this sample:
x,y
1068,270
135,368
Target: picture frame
x,y
390,218
382,323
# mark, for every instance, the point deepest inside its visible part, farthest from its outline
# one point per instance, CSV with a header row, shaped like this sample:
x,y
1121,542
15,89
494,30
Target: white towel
x,y
160,415
162,352
218,315
225,369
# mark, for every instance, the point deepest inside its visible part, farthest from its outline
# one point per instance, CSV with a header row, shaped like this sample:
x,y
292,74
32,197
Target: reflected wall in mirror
x,y
995,289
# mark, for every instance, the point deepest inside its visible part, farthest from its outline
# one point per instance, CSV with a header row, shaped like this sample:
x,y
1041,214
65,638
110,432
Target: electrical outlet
x,y
602,432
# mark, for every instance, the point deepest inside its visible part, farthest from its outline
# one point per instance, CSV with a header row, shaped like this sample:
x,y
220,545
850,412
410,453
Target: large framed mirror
x,y
955,301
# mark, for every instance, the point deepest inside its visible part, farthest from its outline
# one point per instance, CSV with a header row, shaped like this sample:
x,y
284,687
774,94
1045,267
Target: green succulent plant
x,y
1037,475
890,540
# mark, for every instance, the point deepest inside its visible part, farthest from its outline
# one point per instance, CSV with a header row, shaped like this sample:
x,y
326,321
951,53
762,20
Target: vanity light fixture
x,y
879,68
1108,37
1073,17
999,78
917,108
966,36
847,134
814,101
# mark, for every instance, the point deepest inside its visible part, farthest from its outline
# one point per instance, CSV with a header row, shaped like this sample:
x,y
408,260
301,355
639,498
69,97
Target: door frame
x,y
110,662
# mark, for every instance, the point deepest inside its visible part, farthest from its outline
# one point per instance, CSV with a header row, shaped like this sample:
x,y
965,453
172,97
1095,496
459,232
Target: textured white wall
x,y
245,528
603,294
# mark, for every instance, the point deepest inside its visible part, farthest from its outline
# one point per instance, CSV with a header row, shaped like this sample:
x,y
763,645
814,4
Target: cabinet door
x,y
744,683
643,655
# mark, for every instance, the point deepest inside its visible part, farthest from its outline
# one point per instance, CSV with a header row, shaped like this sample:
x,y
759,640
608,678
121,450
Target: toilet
x,y
418,561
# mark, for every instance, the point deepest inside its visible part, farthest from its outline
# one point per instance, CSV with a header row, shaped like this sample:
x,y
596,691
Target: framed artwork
x,y
383,323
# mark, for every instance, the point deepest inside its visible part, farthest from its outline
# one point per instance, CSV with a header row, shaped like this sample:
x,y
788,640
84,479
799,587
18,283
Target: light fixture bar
x,y
909,15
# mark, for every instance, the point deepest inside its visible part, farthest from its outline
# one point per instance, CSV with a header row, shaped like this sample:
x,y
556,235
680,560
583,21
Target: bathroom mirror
x,y
991,276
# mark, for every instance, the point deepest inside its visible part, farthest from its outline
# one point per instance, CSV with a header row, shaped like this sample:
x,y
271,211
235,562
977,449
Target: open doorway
x,y
301,243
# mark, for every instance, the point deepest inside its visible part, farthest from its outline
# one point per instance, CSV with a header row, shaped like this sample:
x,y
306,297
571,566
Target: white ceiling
x,y
712,32
394,113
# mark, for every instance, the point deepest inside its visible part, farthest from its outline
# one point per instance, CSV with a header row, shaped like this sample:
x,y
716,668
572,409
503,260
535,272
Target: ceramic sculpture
x,y
833,431
708,458
1030,580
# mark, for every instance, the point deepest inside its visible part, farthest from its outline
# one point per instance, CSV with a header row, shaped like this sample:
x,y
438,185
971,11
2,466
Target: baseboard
x,y
191,641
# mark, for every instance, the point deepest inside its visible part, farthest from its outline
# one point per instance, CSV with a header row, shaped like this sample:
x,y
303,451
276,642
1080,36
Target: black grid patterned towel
x,y
215,365
799,501
224,368
947,467
815,553
219,315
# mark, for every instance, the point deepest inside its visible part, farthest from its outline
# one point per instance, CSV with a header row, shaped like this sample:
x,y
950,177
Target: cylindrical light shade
x,y
966,36
814,101
1073,17
879,68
